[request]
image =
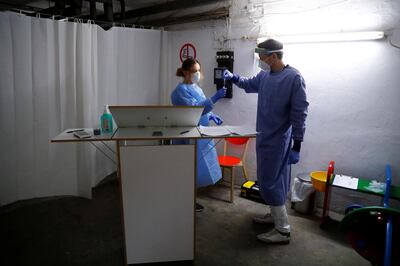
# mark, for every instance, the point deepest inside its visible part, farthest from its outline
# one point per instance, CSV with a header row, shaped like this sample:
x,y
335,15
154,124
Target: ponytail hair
x,y
186,66
179,72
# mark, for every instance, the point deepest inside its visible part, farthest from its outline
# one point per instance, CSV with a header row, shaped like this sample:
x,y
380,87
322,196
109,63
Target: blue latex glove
x,y
218,95
227,74
294,157
217,119
230,76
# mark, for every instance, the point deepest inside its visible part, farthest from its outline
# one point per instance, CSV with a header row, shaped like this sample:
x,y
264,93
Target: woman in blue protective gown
x,y
281,114
188,93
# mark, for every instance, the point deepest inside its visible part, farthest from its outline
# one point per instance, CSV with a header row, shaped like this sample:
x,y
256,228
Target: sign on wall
x,y
187,50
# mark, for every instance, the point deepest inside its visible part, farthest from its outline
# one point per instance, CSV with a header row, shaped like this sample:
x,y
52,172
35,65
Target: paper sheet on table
x,y
345,181
214,131
242,131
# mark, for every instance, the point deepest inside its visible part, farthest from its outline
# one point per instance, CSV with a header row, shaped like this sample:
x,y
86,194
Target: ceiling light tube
x,y
330,37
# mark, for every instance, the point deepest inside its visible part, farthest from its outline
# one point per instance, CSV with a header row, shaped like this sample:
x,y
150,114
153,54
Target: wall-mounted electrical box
x,y
225,60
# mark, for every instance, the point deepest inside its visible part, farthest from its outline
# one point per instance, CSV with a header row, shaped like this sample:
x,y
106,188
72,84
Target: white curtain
x,y
56,75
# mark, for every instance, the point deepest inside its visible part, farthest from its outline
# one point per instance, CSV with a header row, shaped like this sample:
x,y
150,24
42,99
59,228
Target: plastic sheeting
x,y
301,190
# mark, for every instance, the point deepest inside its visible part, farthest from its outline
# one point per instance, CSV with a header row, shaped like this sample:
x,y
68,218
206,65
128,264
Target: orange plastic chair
x,y
230,162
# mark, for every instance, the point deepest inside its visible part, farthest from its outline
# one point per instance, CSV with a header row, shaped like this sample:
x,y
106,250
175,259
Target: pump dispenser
x,y
106,121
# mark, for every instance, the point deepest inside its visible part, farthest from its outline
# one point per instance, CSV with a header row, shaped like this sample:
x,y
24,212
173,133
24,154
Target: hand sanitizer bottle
x,y
106,121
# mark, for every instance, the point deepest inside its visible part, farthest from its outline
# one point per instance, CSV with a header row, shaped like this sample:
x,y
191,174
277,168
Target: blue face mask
x,y
196,77
264,66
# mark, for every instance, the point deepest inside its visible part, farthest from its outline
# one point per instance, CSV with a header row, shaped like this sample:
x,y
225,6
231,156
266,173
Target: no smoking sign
x,y
187,50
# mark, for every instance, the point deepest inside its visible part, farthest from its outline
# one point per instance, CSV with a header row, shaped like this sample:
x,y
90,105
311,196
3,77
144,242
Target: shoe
x,y
199,207
263,219
274,237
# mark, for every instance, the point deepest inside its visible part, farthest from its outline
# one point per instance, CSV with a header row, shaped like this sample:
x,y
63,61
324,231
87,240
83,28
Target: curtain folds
x,y
56,75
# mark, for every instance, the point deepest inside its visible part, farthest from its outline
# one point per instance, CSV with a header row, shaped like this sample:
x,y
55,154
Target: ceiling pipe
x,y
75,8
122,15
168,6
219,13
92,5
108,10
58,8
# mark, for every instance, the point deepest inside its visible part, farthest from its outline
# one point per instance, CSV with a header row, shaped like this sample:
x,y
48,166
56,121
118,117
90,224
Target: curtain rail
x,y
32,13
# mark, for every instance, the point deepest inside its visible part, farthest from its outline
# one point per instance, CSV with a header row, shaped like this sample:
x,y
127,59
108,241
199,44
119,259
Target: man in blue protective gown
x,y
281,114
188,93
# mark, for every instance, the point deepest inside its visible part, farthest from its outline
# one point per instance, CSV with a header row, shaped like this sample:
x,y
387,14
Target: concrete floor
x,y
77,231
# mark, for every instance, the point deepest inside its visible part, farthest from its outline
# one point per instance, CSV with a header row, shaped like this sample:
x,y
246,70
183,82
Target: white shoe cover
x,y
264,219
274,237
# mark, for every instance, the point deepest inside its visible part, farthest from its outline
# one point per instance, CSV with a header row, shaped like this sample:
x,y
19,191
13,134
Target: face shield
x,y
259,63
263,51
266,51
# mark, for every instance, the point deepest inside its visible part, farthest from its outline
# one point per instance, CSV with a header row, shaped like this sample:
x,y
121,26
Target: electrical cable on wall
x,y
394,39
393,44
228,33
256,18
319,7
225,42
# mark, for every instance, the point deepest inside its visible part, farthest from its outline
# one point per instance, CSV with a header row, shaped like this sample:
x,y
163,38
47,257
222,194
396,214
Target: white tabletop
x,y
151,133
68,136
143,133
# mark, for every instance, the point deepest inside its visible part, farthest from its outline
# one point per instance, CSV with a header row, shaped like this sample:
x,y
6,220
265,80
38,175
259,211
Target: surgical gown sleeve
x,y
183,96
299,105
251,85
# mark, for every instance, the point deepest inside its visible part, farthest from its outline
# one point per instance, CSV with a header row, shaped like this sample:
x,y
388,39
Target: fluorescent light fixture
x,y
329,37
